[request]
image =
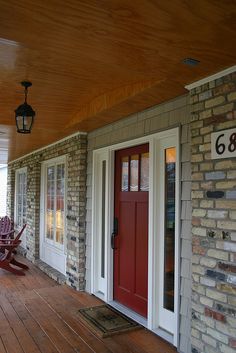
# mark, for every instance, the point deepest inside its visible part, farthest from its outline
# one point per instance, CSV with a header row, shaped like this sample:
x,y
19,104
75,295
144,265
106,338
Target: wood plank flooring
x,y
38,315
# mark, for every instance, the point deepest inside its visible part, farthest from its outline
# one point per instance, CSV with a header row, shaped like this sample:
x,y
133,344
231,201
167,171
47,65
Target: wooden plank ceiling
x,y
92,62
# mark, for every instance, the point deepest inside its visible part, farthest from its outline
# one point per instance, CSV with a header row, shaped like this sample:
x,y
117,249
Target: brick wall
x,y
76,149
169,114
213,221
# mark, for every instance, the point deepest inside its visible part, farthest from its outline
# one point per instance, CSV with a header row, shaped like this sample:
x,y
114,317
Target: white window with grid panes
x,y
53,213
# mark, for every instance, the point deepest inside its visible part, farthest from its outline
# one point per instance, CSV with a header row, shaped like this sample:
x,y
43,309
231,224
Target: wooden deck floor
x,y
38,315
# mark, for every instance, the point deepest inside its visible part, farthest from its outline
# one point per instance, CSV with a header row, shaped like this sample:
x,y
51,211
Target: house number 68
x,y
220,147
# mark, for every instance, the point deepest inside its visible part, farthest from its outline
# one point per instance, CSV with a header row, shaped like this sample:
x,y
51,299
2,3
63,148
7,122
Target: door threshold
x,y
128,312
142,321
167,336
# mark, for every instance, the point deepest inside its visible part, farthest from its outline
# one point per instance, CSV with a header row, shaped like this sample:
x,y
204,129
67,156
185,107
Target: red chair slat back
x,y
6,225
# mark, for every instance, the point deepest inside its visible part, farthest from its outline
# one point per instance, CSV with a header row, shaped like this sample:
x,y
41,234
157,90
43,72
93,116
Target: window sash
x,y
21,197
55,203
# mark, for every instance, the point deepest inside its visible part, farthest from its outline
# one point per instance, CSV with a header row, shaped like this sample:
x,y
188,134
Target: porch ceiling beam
x,y
119,103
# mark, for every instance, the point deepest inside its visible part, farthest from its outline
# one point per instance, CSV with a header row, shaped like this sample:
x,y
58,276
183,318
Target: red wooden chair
x,y
7,257
6,227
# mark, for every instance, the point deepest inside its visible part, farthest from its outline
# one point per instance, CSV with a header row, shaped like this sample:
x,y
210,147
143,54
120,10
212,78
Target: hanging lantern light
x,y
24,113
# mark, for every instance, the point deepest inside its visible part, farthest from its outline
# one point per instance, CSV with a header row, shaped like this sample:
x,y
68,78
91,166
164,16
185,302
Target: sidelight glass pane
x,y
103,219
144,173
169,240
134,172
125,174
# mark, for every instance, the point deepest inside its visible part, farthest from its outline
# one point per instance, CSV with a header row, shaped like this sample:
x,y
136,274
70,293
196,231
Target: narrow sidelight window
x,y
169,232
103,219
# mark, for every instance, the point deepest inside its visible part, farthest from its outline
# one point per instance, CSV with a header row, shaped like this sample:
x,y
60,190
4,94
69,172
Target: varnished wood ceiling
x,y
93,62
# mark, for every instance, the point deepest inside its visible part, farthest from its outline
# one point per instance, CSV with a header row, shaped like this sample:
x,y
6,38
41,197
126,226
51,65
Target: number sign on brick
x,y
223,144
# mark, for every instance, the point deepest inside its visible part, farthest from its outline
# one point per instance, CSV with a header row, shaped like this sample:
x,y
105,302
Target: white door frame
x,y
155,256
52,255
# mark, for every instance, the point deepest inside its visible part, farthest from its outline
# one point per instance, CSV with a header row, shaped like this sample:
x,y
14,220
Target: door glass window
x,y
169,232
144,172
134,172
55,202
125,174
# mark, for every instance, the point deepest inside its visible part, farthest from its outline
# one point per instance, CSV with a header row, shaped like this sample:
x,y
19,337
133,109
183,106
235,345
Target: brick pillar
x,y
33,207
213,221
76,206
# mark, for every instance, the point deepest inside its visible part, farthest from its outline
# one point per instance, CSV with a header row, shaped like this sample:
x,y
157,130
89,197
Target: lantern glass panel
x,y
24,123
19,122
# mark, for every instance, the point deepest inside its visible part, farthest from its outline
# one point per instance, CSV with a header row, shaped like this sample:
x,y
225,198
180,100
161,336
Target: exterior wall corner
x,y
213,108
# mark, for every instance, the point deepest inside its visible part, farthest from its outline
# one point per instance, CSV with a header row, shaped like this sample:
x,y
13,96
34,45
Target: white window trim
x,y
108,154
99,283
59,251
210,78
19,171
166,318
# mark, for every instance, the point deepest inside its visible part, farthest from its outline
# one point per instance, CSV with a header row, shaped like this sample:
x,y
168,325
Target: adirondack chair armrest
x,y
8,233
6,240
4,246
10,243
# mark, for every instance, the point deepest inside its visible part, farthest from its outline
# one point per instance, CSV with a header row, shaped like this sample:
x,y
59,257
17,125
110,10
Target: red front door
x,y
131,239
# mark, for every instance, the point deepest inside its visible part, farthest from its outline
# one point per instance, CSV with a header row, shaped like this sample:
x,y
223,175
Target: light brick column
x,y
76,206
213,221
33,208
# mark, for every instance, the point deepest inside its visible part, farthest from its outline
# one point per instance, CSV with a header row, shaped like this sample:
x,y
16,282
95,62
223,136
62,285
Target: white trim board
x,y
210,78
48,146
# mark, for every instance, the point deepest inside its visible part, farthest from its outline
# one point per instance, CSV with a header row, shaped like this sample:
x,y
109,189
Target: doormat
x,y
106,321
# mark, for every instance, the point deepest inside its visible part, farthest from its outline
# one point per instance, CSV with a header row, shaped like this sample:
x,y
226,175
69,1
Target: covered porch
x,y
127,179
39,315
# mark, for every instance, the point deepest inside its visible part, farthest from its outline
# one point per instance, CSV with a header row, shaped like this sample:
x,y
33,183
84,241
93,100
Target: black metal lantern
x,y
24,113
